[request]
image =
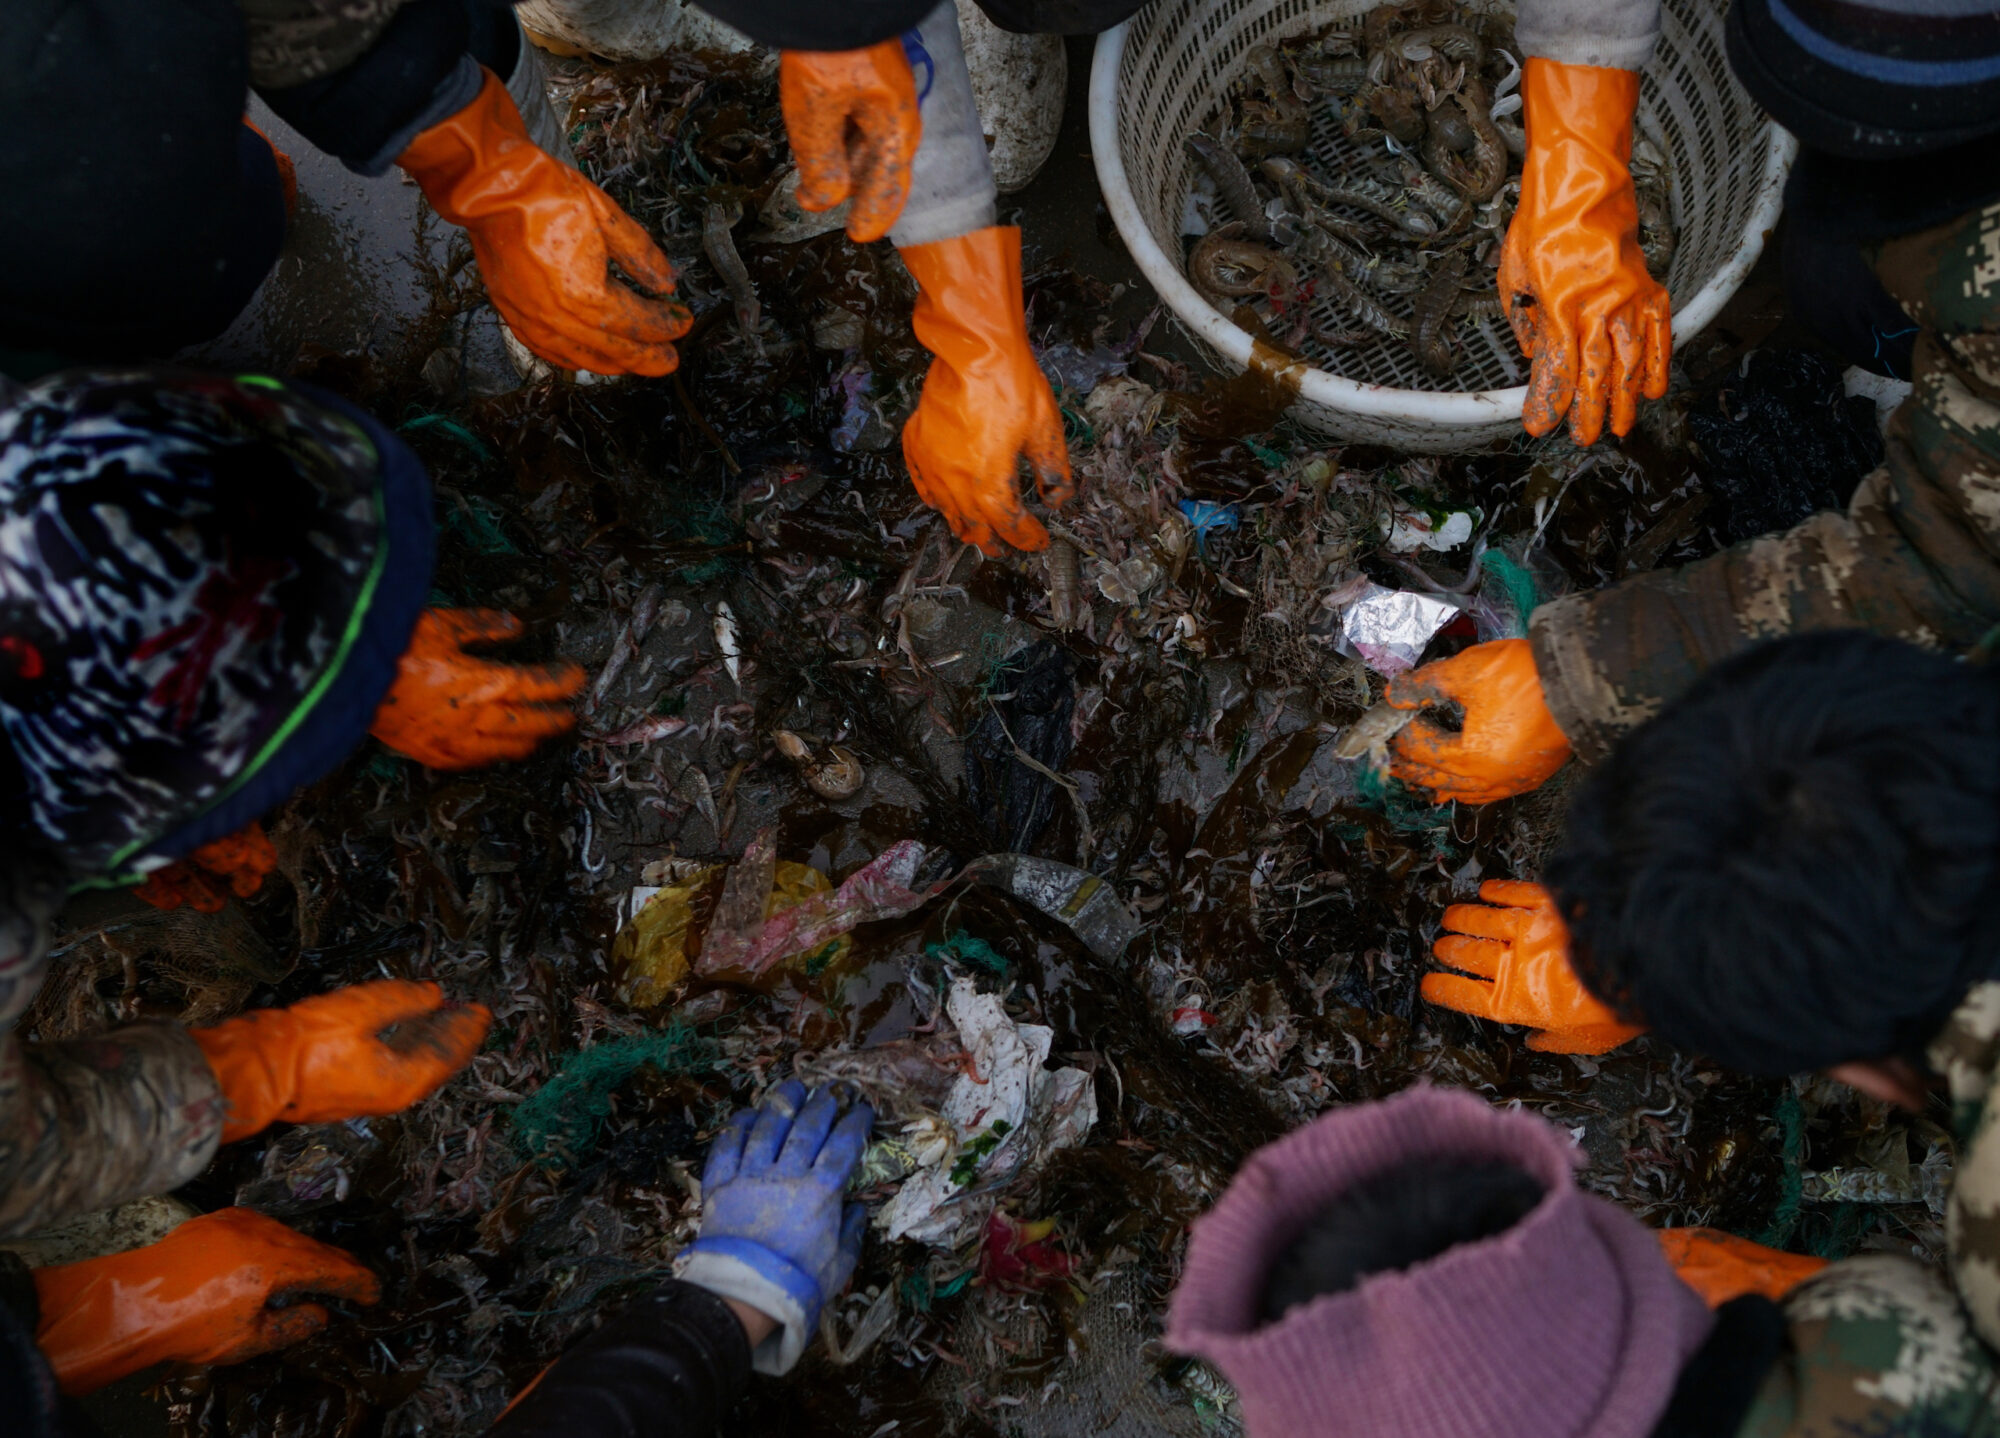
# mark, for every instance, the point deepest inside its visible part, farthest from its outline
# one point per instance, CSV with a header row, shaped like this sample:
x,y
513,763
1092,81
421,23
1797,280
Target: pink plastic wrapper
x,y
740,938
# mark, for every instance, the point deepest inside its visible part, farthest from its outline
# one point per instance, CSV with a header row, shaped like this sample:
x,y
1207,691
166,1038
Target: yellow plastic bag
x,y
650,954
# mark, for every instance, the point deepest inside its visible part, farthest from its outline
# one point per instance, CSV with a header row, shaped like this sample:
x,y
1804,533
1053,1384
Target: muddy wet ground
x,y
1170,731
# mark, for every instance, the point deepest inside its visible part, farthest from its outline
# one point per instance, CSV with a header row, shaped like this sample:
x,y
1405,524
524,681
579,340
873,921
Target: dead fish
x,y
644,608
725,641
1371,733
656,726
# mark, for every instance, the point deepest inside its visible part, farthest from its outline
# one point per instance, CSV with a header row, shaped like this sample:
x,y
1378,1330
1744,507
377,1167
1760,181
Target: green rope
x,y
1517,584
966,949
1791,1119
559,1123
450,428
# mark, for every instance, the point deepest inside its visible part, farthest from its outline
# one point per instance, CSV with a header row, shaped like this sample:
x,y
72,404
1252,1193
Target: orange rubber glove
x,y
545,239
1519,946
218,1289
450,710
1720,1266
374,1048
243,858
986,404
1508,742
853,122
1596,325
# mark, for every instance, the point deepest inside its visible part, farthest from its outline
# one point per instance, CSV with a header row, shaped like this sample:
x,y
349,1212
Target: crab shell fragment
x,y
835,774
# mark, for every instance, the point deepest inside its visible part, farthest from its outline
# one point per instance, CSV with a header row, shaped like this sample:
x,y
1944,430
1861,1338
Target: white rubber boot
x,y
1019,83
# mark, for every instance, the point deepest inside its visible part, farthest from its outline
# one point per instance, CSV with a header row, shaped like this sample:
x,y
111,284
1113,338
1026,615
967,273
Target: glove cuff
x,y
748,1272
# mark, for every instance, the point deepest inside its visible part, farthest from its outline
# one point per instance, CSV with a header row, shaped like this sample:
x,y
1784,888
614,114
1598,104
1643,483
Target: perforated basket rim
x,y
1440,411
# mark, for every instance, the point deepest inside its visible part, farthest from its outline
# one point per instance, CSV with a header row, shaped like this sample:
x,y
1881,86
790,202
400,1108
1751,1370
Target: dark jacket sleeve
x,y
668,1365
363,91
1916,556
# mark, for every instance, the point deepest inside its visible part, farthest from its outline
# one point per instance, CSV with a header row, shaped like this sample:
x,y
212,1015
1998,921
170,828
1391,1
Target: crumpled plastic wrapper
x,y
1388,629
1014,1114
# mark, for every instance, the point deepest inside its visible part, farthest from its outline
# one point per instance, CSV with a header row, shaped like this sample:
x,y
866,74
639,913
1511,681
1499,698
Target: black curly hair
x,y
1793,864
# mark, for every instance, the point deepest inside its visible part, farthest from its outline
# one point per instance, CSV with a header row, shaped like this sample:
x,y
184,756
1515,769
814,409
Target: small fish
x,y
1371,733
656,726
725,641
644,608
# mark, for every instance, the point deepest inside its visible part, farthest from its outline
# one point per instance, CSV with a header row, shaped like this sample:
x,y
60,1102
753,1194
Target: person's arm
x,y
1916,557
777,1241
669,1364
91,1122
1616,34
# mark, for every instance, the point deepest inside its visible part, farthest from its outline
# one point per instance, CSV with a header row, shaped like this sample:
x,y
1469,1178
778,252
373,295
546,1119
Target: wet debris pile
x,y
1359,183
1058,859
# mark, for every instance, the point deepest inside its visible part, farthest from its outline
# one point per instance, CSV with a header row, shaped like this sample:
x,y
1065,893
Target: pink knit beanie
x,y
1569,1325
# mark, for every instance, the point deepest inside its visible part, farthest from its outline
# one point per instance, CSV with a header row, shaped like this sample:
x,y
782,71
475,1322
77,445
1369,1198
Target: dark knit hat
x,y
206,583
1872,79
791,25
1571,1324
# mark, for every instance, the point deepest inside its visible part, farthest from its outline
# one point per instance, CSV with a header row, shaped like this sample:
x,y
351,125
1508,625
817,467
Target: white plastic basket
x,y
1165,73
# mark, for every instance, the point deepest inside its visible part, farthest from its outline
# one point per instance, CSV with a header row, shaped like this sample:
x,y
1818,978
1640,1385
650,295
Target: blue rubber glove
x,y
773,1233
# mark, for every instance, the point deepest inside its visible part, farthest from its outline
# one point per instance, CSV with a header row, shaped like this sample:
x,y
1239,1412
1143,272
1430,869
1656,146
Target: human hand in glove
x,y
1507,743
1595,324
775,1234
221,1288
986,405
450,710
242,858
1720,1266
546,239
854,126
373,1048
1518,945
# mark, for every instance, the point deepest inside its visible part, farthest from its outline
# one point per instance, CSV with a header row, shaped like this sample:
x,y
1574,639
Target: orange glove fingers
x,y
1516,894
1589,1041
1552,381
854,124
1467,996
1482,921
1720,1266
200,1295
643,262
1484,957
278,1328
1596,356
175,884
456,628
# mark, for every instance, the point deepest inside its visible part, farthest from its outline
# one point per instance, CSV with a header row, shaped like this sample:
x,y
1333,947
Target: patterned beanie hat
x,y
198,605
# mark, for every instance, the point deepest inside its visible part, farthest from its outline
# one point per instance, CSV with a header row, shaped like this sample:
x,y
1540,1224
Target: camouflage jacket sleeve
x,y
1916,556
92,1122
1877,1345
1967,1052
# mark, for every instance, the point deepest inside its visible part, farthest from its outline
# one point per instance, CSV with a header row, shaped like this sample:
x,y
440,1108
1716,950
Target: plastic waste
x,y
650,954
1086,903
749,936
1780,440
1012,1113
1388,629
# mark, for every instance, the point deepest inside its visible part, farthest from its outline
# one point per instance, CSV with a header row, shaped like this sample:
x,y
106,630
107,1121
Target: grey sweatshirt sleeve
x,y
1616,34
951,177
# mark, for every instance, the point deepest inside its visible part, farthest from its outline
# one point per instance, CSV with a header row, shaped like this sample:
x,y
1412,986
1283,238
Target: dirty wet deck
x,y
1288,900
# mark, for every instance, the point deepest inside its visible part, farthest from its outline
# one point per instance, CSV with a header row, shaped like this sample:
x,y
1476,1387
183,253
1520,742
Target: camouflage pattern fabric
x,y
93,1122
1966,1053
293,41
1916,556
1878,1347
